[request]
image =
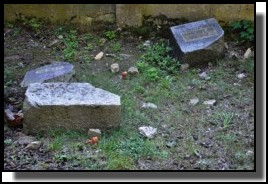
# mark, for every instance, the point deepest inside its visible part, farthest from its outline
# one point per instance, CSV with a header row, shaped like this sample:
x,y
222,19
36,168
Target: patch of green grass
x,y
8,76
115,47
158,56
245,28
123,146
111,35
223,119
60,137
71,45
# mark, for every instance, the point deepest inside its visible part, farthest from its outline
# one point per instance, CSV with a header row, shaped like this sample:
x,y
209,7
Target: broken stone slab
x,y
198,42
55,72
69,106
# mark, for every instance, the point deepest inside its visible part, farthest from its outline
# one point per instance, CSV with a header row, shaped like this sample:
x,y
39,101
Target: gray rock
x,y
184,66
204,76
133,70
198,42
69,106
194,101
115,67
60,37
33,145
94,133
209,102
24,140
55,72
171,144
148,131
148,105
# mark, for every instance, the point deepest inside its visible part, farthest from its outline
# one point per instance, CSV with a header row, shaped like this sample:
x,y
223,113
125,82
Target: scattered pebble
x,y
115,67
21,64
209,102
147,131
133,70
171,144
33,145
194,101
147,43
94,133
250,153
99,56
247,53
241,75
184,66
236,84
204,76
149,105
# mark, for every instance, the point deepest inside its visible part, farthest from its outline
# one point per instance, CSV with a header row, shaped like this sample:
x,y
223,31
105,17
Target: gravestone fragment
x,y
198,42
55,72
69,106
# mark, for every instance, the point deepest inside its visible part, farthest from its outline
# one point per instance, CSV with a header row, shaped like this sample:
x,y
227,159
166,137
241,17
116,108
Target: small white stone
x,y
147,43
60,37
99,56
209,102
115,67
194,101
147,131
236,84
241,76
247,53
149,105
250,153
204,76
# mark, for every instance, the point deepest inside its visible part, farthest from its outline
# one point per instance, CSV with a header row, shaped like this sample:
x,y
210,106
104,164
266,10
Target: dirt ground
x,y
189,137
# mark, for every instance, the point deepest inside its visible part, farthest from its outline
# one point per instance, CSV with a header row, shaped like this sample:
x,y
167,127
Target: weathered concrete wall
x,y
132,15
83,14
128,14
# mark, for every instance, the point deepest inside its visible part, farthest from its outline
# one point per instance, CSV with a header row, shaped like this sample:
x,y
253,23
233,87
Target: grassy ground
x,y
219,137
